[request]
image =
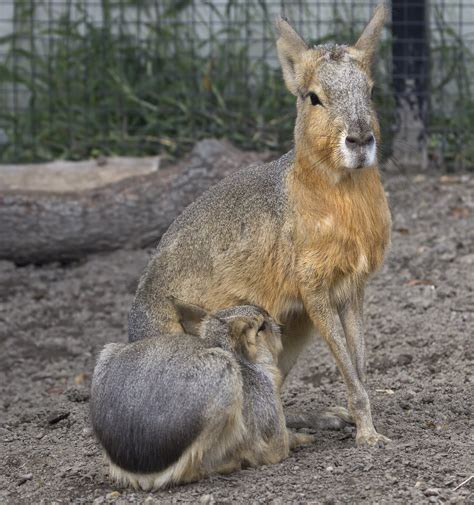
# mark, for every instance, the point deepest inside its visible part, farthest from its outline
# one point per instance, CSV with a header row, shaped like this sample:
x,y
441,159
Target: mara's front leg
x,y
297,332
351,314
324,315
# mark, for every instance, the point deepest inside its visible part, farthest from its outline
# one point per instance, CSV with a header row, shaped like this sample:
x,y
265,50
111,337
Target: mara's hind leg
x,y
333,418
298,439
230,466
296,335
278,448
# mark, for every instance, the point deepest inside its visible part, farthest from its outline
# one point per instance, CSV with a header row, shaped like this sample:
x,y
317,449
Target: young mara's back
x,y
150,399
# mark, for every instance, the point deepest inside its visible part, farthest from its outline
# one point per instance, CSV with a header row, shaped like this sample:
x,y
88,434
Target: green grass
x,y
98,90
451,129
87,89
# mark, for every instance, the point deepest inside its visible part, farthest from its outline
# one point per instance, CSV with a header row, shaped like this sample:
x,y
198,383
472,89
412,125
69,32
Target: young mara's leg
x,y
324,316
297,439
278,448
232,465
333,418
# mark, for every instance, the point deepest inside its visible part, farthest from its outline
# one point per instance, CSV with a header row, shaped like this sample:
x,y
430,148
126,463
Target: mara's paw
x,y
298,439
372,439
335,418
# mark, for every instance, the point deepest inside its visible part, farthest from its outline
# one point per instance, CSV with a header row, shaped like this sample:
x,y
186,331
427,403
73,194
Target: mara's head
x,y
249,330
336,121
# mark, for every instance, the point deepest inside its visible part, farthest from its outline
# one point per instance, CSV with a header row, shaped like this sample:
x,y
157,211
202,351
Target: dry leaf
x,y
420,282
449,179
386,391
55,391
459,212
403,231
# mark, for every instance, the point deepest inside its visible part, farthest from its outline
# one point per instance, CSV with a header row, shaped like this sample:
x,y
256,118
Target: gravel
x,y
419,310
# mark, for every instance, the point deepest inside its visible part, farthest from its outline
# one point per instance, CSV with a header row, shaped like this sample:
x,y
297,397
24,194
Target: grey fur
x,y
152,399
235,211
137,406
348,90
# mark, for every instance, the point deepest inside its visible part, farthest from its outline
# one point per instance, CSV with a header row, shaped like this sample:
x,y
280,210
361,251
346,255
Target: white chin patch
x,y
360,157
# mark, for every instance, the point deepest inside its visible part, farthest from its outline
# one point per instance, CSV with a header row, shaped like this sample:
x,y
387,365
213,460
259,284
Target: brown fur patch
x,y
343,230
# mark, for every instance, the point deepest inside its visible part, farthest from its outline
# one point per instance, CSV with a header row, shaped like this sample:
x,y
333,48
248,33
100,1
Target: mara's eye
x,y
262,327
314,99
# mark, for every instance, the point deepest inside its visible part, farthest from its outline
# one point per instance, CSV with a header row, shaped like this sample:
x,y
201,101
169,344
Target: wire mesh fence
x,y
81,78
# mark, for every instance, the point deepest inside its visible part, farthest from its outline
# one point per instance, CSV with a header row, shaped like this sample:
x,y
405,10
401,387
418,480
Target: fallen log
x,y
65,210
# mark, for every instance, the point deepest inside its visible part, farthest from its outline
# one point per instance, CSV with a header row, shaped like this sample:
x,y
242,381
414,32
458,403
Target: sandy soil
x,y
55,318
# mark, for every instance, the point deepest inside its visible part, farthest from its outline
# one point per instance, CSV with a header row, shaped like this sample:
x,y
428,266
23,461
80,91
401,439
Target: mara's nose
x,y
354,141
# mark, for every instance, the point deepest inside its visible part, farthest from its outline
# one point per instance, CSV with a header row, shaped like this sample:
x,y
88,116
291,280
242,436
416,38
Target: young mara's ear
x,y
290,47
368,41
244,337
190,316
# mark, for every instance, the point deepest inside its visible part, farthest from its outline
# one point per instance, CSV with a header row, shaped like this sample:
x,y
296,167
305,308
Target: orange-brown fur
x,y
358,224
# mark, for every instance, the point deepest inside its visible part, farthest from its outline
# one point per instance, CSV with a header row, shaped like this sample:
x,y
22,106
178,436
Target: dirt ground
x,y
420,315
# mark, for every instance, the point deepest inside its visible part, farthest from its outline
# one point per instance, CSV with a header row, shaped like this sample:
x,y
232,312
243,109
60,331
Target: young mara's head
x,y
249,330
253,332
336,123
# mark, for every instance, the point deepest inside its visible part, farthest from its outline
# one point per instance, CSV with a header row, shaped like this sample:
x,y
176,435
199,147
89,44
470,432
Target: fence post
x,y
410,81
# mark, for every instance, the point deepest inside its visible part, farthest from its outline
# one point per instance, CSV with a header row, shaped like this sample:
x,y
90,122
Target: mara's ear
x,y
244,337
190,316
290,47
368,41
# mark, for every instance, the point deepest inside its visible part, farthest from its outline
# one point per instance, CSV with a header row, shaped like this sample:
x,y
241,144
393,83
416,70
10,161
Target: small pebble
x,y
56,417
206,498
404,359
86,432
431,491
113,494
468,259
23,478
329,468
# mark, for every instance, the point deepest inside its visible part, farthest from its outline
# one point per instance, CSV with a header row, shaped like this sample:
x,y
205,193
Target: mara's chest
x,y
342,234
